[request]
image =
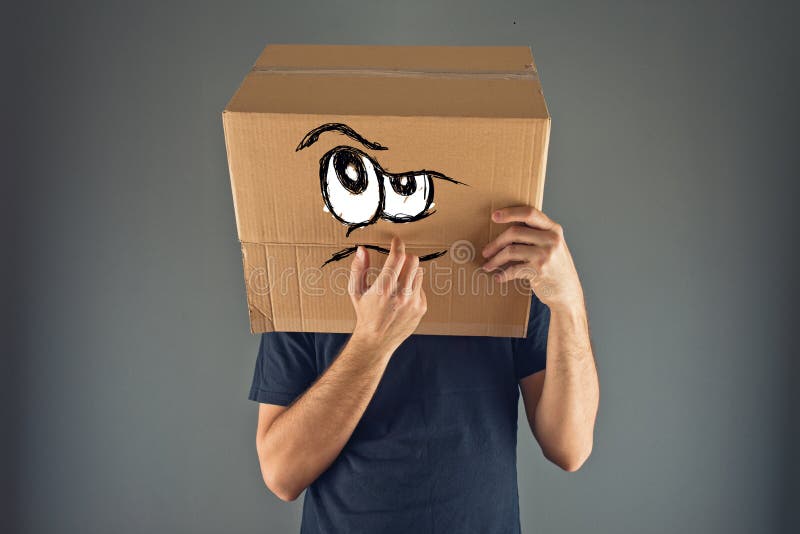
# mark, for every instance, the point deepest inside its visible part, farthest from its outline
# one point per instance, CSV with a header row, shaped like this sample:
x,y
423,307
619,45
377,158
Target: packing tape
x,y
528,74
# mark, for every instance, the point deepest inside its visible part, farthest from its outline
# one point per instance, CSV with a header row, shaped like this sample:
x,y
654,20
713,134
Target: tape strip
x,y
528,74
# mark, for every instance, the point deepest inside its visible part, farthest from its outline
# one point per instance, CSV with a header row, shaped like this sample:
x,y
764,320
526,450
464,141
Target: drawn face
x,y
358,192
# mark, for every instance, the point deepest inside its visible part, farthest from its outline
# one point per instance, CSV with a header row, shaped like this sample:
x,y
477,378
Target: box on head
x,y
331,147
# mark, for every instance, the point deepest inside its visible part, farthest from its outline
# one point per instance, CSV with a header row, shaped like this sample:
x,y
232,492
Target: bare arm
x,y
304,439
561,403
297,444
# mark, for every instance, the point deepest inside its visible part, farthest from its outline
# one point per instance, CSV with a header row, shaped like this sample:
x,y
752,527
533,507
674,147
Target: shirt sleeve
x,y
285,367
530,353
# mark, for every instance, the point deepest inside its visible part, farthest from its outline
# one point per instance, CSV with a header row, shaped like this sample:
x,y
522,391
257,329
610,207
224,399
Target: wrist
x,y
372,343
572,308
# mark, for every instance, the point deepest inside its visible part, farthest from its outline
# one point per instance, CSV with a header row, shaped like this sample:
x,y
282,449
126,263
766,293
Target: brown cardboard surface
x,y
475,115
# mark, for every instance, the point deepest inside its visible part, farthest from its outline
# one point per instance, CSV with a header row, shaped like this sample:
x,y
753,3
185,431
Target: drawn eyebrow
x,y
312,136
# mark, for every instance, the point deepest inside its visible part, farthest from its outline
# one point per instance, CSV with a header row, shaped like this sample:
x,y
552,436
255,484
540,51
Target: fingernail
x,y
360,253
496,215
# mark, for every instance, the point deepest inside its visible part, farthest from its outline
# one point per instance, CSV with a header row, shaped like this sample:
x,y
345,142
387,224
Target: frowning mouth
x,y
349,251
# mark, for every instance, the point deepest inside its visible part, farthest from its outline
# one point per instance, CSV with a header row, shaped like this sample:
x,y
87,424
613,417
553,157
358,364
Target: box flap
x,y
377,80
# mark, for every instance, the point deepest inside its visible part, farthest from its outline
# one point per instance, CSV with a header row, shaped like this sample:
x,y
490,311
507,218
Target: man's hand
x,y
561,402
297,444
389,310
534,249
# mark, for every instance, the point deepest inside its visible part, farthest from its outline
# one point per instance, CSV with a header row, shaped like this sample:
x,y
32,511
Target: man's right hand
x,y
389,310
296,444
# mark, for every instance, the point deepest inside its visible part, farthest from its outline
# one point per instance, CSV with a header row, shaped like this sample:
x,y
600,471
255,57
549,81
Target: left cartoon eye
x,y
350,186
408,196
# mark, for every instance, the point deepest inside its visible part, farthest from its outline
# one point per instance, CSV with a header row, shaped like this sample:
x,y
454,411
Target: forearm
x,y
567,408
305,439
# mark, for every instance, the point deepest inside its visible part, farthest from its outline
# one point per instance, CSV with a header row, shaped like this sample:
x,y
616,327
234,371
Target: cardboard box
x,y
334,146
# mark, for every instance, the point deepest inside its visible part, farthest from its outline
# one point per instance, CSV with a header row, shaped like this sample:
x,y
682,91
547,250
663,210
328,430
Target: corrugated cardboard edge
x,y
538,199
225,115
261,320
260,309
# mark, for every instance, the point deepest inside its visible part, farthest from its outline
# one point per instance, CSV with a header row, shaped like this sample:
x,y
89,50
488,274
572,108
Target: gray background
x,y
673,168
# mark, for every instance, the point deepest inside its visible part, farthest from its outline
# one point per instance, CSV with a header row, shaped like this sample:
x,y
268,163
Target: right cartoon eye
x,y
408,196
350,186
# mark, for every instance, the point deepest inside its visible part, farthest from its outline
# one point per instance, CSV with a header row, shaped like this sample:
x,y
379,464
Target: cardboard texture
x,y
422,142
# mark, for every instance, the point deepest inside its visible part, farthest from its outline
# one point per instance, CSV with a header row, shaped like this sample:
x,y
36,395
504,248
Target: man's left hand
x,y
534,249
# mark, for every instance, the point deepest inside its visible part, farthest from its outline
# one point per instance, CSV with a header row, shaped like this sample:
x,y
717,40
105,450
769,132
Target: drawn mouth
x,y
349,251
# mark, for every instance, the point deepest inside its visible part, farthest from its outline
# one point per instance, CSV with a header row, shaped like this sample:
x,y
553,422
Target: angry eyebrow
x,y
312,136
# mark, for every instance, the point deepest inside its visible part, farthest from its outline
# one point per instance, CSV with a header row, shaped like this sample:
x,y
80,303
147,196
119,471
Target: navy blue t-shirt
x,y
436,448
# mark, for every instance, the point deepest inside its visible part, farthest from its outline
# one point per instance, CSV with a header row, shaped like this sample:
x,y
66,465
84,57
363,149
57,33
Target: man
x,y
391,432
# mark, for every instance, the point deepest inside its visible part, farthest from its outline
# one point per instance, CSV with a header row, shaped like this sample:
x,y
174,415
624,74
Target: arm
x,y
561,403
297,444
301,441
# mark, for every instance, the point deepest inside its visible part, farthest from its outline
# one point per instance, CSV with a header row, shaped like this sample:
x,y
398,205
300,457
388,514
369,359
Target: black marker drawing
x,y
358,192
349,251
312,136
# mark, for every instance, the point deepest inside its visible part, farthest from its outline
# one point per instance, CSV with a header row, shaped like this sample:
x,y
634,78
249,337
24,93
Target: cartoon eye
x,y
357,191
350,186
407,196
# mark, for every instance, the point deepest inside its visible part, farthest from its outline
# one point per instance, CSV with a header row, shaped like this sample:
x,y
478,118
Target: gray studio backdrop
x,y
672,168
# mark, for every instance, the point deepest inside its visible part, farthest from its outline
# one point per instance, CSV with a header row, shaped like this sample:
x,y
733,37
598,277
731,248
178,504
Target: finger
x,y
517,234
407,275
357,284
394,264
416,285
513,252
524,214
518,271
